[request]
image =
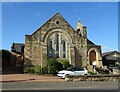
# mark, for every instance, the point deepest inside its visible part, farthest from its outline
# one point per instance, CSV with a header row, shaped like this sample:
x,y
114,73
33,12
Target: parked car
x,y
72,71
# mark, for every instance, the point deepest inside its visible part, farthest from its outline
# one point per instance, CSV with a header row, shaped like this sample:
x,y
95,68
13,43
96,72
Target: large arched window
x,y
64,49
50,49
57,46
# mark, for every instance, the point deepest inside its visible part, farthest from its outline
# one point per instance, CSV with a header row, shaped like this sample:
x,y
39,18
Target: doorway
x,y
92,57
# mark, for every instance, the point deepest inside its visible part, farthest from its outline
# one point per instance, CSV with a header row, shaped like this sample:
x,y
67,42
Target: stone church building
x,y
57,39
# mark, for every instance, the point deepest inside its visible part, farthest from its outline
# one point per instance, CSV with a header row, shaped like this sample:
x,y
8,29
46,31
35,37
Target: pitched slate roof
x,y
108,53
90,42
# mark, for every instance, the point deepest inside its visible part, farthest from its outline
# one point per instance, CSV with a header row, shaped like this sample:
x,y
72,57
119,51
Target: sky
x,y
23,18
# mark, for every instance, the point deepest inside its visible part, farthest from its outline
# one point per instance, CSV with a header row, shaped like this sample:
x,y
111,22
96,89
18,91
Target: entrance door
x,y
92,57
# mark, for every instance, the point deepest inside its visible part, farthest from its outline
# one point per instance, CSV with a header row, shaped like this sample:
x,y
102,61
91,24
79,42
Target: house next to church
x,y
57,39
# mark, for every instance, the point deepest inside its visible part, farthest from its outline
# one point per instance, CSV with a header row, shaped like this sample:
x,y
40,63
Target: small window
x,y
57,22
78,32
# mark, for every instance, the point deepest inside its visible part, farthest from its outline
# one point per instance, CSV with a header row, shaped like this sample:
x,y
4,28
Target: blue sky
x,y
101,19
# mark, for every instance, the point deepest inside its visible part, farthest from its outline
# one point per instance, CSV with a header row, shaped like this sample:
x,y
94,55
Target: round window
x,y
57,22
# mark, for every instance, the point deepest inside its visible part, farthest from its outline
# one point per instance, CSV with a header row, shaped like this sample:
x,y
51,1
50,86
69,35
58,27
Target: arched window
x,y
79,32
57,46
50,49
64,49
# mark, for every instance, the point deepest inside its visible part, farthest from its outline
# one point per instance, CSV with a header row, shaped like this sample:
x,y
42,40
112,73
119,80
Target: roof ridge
x,y
107,53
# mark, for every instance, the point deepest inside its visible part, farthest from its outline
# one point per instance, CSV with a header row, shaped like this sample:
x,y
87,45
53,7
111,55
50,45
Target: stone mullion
x,y
66,49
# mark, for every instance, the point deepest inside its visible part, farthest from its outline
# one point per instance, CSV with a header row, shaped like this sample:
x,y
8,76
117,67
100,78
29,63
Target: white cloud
x,y
106,48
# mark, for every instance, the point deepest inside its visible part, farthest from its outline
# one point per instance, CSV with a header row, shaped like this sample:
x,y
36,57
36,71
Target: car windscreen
x,y
80,69
76,69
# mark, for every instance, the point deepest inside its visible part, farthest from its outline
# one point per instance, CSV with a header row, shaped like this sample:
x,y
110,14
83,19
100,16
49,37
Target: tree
x,y
5,54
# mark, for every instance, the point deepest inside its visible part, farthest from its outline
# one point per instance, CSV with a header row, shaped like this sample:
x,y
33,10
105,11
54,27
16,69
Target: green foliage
x,y
29,70
5,54
32,70
91,73
65,64
51,62
37,69
53,66
45,70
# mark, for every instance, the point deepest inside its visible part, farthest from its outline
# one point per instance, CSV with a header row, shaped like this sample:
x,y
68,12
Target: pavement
x,y
13,74
28,78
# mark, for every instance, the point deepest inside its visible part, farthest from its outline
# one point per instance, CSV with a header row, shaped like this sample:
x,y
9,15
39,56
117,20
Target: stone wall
x,y
92,78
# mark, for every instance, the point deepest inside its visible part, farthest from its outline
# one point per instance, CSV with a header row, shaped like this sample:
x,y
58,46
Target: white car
x,y
72,71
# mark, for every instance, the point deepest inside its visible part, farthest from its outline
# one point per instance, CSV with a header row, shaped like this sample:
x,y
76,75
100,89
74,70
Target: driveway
x,y
28,77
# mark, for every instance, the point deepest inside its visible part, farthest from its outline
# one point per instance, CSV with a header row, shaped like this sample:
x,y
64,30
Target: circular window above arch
x,y
57,22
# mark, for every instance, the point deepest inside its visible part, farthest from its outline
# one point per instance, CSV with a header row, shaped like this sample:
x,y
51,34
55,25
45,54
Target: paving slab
x,y
28,77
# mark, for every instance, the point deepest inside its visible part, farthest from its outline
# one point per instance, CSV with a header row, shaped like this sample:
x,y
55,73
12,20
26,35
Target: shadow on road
x,y
17,80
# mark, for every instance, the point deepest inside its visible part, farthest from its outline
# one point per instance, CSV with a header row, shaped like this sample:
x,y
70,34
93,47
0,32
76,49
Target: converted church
x,y
57,39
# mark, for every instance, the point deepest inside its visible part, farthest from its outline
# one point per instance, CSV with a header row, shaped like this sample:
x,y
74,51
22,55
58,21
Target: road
x,y
59,85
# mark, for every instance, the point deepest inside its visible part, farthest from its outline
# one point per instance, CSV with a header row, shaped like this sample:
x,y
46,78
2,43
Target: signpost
x,y
94,64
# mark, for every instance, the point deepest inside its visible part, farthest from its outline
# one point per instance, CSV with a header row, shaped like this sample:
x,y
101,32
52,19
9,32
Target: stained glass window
x,y
57,46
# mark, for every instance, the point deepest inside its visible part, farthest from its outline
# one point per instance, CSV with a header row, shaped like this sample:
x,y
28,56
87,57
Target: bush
x,y
32,70
45,70
29,70
91,73
5,54
65,64
37,69
53,66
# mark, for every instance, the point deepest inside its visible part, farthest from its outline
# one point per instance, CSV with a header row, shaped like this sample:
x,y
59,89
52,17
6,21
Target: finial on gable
x,y
78,14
